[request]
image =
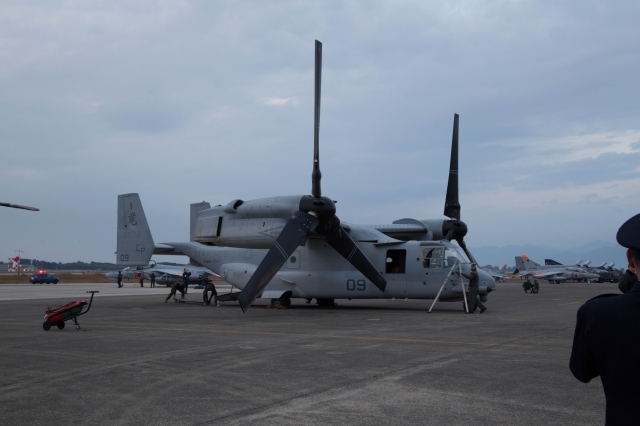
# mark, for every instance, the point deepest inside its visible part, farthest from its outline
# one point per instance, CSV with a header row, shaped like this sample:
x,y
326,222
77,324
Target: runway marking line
x,y
322,336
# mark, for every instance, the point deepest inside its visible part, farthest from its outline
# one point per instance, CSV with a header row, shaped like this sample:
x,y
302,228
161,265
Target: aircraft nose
x,y
486,279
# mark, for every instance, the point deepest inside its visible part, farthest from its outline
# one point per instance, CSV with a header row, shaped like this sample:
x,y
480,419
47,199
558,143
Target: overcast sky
x,y
190,101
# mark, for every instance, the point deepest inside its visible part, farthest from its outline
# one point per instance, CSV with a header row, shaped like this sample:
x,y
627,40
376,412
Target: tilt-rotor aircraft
x,y
296,247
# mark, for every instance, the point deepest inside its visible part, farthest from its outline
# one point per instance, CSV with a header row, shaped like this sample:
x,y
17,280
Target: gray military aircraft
x,y
165,274
555,273
296,247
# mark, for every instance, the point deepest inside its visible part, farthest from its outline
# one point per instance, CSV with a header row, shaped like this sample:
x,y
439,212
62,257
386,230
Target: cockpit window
x,y
451,254
432,257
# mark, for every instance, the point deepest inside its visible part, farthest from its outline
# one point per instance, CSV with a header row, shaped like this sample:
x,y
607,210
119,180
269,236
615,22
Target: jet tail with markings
x,y
523,263
135,243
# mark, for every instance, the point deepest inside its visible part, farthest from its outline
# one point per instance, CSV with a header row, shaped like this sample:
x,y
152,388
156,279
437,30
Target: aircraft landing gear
x,y
282,302
325,302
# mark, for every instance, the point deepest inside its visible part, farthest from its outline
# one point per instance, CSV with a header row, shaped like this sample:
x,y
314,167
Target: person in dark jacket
x,y
474,289
606,342
119,279
152,279
177,286
628,280
185,280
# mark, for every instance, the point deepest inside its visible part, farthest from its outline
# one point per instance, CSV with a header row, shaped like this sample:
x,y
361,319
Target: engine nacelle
x,y
251,224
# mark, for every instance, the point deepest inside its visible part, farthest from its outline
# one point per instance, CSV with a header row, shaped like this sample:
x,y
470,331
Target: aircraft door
x,y
396,273
432,265
294,260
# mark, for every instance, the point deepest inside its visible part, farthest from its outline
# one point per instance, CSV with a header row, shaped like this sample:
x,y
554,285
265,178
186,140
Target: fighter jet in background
x,y
501,274
554,273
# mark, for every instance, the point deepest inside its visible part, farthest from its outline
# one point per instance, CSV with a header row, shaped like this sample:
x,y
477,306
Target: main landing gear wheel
x,y
61,325
282,302
46,326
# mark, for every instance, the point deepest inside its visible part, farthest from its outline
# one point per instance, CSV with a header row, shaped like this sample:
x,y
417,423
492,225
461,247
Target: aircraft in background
x,y
555,273
165,274
501,274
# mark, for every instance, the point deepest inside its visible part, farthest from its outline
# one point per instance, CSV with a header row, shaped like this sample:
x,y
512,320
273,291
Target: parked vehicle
x,y
42,278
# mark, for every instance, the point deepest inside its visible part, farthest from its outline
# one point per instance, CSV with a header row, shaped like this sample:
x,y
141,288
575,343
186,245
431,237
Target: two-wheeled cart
x,y
69,312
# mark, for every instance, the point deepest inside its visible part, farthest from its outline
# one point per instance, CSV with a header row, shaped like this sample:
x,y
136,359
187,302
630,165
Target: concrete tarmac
x,y
371,362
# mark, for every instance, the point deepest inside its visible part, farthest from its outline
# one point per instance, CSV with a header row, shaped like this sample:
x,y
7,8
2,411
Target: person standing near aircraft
x,y
177,286
185,280
474,289
606,342
119,279
152,279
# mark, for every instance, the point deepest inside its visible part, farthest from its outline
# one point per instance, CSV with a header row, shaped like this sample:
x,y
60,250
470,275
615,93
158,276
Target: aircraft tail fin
x,y
578,262
135,243
195,209
504,267
523,263
586,264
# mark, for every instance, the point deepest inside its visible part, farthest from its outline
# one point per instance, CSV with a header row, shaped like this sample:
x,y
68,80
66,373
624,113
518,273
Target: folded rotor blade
x,y
451,203
341,242
294,232
18,206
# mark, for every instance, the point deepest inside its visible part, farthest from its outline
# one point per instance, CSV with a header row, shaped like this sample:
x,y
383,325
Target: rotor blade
x,y
340,240
296,230
316,176
18,206
463,245
451,202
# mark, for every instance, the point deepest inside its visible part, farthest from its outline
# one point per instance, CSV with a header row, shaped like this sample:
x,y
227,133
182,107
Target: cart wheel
x,y
46,326
77,328
60,325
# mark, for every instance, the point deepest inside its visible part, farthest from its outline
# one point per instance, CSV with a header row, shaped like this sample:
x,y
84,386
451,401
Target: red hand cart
x,y
69,312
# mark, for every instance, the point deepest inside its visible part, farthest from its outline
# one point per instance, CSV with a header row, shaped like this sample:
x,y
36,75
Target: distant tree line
x,y
91,266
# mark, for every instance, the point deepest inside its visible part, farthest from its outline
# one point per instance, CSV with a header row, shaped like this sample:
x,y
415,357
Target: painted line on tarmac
x,y
321,336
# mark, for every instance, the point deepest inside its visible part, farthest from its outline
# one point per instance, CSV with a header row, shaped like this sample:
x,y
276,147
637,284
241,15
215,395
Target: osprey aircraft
x,y
295,246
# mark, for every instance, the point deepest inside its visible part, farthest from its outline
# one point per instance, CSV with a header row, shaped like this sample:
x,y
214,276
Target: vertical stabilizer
x,y
525,264
135,244
195,209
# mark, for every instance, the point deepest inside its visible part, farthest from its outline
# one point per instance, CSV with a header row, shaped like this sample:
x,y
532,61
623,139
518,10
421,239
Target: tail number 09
x,y
359,285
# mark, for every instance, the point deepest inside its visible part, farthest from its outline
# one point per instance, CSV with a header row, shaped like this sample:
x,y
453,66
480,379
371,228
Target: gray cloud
x,y
170,99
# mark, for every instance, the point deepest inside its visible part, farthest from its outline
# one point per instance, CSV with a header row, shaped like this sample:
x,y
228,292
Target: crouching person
x,y
177,286
208,288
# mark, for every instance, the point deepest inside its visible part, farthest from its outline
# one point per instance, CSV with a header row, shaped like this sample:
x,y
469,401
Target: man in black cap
x,y
607,340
